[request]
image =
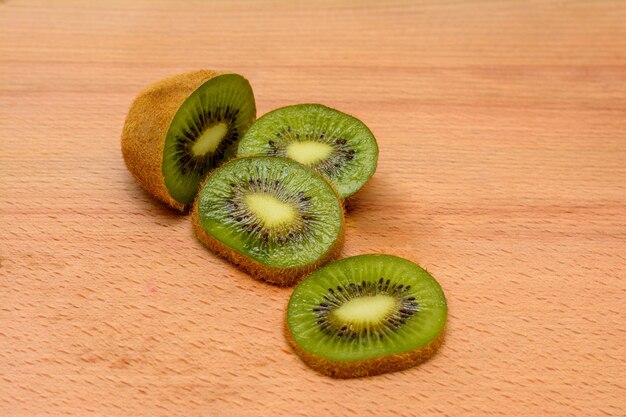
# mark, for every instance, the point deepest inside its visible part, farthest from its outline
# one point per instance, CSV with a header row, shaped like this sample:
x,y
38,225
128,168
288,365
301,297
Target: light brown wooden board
x,y
502,132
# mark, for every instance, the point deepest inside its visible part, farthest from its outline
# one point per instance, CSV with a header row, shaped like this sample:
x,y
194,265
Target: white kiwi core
x,y
210,139
366,309
308,152
270,210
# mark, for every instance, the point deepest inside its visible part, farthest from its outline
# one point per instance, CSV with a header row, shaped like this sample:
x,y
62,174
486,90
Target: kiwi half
x,y
180,128
336,145
272,216
366,315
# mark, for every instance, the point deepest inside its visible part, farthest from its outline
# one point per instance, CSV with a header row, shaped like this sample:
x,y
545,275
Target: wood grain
x,y
502,129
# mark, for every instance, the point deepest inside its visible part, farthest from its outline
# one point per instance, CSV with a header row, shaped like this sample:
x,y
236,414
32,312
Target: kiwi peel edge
x,y
365,367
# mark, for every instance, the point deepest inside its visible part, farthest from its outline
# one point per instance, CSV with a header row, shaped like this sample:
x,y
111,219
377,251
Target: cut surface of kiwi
x,y
180,128
366,315
205,132
336,145
272,216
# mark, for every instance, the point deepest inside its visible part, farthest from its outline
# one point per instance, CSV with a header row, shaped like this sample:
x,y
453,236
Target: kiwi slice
x,y
272,216
336,145
180,128
366,315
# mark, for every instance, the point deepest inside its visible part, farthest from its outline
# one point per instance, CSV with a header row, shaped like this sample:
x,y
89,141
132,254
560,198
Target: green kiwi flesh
x,y
274,217
366,315
205,132
336,145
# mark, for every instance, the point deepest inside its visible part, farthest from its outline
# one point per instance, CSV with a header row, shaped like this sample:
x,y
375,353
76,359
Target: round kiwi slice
x,y
275,218
180,128
336,145
366,315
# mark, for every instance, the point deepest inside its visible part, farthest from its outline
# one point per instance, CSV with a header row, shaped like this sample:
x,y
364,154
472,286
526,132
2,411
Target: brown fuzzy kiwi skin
x,y
146,126
366,367
283,277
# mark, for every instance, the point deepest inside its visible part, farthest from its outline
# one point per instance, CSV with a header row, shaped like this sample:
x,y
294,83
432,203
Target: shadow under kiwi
x,y
380,219
147,203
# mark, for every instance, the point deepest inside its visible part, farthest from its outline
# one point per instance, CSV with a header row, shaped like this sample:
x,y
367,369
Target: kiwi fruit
x,y
180,128
338,146
272,216
366,315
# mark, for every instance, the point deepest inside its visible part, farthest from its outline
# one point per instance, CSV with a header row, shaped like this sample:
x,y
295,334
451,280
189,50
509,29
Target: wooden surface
x,y
502,131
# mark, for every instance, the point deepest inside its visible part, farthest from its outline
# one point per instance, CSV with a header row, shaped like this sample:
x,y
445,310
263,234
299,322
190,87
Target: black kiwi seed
x,y
249,223
200,165
348,140
406,308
